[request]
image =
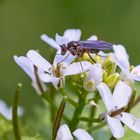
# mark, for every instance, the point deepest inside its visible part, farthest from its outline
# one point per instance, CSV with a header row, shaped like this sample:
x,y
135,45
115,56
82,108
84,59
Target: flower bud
x,y
98,59
112,80
85,57
104,75
109,65
89,85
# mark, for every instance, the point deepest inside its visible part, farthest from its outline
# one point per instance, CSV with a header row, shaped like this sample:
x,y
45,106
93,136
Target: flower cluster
x,y
112,77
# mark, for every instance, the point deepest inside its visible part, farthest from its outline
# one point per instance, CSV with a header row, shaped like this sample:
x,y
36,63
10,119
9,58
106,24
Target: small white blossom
x,y
93,78
31,71
65,134
115,102
122,59
7,111
55,73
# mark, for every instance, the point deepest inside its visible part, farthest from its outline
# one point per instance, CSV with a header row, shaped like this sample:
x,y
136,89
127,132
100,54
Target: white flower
x,y
115,104
122,60
65,134
93,78
32,72
56,73
7,111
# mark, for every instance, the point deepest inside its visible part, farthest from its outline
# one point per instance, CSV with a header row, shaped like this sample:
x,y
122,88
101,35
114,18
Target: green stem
x,y
70,100
91,120
58,118
136,101
131,102
47,98
52,108
78,111
96,127
15,113
93,109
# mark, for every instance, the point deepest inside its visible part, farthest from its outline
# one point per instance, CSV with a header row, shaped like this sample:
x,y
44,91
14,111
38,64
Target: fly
x,y
78,48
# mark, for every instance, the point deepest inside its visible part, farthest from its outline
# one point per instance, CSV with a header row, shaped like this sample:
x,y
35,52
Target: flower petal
x,y
93,37
81,134
121,57
122,94
38,60
76,68
106,96
26,65
95,73
46,78
7,111
50,41
58,83
93,78
61,39
115,126
64,133
131,121
73,34
136,73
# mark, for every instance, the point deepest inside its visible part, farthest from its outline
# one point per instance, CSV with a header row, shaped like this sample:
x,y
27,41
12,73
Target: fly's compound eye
x,y
63,49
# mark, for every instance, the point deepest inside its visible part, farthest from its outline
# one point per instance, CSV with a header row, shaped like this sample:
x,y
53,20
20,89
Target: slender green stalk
x,y
52,109
58,118
93,109
131,102
15,113
47,98
78,111
70,100
91,120
97,126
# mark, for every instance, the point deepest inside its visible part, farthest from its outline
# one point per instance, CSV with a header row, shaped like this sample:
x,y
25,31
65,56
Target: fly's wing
x,y
95,45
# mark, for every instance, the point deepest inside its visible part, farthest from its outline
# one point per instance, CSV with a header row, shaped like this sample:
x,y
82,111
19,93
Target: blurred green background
x,y
23,21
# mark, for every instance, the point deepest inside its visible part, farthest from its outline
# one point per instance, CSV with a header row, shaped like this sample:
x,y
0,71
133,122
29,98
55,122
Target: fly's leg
x,y
96,62
91,58
80,63
64,59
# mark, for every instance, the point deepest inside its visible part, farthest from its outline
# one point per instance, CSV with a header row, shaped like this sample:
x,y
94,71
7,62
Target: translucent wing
x,y
95,45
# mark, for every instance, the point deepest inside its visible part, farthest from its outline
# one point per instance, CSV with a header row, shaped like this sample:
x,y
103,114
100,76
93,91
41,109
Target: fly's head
x,y
63,49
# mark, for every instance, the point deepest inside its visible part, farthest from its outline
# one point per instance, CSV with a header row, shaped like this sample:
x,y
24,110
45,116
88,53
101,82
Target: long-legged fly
x,y
78,48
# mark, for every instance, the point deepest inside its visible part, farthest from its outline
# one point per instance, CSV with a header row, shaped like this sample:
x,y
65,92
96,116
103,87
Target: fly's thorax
x,y
75,49
72,44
